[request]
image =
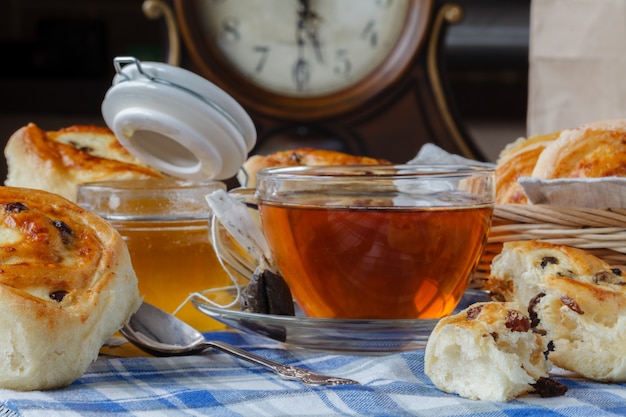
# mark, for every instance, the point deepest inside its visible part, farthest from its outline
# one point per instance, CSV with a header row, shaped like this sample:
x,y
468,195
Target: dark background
x,y
57,63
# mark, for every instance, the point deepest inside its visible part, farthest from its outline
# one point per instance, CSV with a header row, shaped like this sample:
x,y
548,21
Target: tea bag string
x,y
233,216
218,248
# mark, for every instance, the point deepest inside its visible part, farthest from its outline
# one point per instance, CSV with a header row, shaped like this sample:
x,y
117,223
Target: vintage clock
x,y
362,76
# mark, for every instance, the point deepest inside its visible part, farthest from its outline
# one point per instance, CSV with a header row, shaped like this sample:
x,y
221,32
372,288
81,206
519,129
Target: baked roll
x,y
518,270
66,285
57,161
301,156
488,351
576,298
517,160
593,150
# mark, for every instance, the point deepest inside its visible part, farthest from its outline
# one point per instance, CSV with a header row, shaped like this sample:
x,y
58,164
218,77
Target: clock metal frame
x,y
212,63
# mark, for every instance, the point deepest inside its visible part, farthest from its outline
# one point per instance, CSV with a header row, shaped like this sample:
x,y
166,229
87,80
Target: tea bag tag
x,y
176,121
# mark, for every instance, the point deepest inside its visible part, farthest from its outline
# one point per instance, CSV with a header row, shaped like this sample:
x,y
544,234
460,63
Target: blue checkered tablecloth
x,y
215,384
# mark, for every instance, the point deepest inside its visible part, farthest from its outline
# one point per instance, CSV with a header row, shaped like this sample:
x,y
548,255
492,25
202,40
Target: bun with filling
x,y
66,285
576,298
489,351
57,161
301,156
593,150
517,160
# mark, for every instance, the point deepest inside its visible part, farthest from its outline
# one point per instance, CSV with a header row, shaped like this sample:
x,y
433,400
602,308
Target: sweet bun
x,y
593,150
66,285
57,161
300,156
587,322
576,298
517,160
488,351
517,271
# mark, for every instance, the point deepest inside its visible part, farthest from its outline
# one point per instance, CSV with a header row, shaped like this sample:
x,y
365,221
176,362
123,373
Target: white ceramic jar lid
x,y
176,121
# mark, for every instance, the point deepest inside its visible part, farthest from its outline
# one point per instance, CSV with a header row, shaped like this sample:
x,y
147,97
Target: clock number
x,y
370,34
230,30
264,52
342,66
383,3
301,74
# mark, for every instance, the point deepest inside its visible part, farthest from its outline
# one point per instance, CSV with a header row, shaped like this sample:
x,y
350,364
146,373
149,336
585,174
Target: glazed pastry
x,y
576,298
517,160
490,351
66,285
301,156
57,161
594,150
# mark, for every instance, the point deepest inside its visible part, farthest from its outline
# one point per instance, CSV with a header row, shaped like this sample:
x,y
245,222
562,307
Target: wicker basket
x,y
601,232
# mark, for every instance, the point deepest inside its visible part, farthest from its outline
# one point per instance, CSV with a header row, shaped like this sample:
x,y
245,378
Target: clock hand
x,y
316,44
300,70
308,22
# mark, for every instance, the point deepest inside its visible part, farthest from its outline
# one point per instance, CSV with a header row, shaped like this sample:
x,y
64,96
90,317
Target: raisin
x,y
572,304
66,231
550,348
534,318
569,274
516,321
549,260
296,157
473,312
548,387
610,277
617,271
82,148
495,336
58,295
15,207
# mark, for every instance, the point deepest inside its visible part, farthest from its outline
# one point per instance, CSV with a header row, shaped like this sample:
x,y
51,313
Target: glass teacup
x,y
376,242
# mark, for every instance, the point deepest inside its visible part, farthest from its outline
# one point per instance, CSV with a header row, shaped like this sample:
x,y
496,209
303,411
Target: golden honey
x,y
172,260
165,224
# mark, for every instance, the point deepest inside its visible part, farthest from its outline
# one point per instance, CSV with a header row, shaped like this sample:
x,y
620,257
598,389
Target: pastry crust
x,y
517,160
66,285
300,156
578,299
57,161
518,270
594,150
489,351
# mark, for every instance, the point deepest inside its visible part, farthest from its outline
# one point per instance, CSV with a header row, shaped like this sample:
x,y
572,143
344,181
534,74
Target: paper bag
x,y
577,61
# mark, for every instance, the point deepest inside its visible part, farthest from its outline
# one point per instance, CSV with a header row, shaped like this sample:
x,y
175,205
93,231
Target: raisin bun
x,y
488,351
66,285
576,298
57,161
301,156
517,271
517,160
593,150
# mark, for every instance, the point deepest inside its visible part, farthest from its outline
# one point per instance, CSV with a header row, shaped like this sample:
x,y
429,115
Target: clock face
x,y
304,48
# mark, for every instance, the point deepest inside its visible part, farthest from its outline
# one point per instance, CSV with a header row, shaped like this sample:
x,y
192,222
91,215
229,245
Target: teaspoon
x,y
161,334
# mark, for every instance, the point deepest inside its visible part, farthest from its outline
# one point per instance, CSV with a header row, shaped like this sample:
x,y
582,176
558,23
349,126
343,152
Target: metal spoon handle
x,y
284,371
